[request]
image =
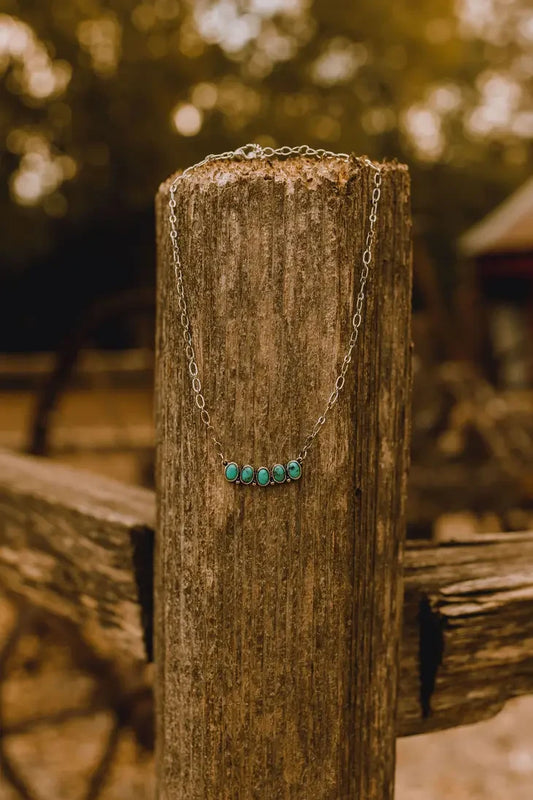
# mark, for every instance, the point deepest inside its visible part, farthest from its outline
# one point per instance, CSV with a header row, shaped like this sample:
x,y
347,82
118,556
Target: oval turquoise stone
x,y
278,473
231,471
262,476
247,474
294,470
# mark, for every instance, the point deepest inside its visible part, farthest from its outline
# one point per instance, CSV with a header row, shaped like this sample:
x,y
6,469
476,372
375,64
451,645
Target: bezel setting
x,y
268,476
229,468
295,475
279,473
247,470
247,475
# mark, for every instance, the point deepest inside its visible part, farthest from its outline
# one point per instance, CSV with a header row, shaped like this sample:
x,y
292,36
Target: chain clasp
x,y
250,150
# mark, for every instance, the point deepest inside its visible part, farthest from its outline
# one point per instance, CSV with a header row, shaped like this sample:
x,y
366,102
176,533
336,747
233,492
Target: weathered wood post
x,y
278,609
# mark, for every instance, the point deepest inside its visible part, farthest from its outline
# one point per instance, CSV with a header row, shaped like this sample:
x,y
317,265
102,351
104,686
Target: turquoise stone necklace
x,y
263,476
246,474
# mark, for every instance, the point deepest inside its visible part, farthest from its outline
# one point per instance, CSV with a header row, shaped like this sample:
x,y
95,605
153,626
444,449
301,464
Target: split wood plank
x,y
468,606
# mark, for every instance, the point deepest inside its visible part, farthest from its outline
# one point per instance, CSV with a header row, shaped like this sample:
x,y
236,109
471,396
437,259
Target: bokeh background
x,y
100,101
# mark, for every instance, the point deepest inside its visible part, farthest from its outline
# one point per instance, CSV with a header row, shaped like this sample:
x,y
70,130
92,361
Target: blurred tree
x,y
102,100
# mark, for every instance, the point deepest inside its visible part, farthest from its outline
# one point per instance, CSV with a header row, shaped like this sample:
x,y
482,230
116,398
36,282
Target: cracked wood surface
x,y
467,643
79,545
468,630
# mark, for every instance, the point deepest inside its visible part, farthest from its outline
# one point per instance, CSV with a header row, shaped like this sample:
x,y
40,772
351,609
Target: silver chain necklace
x,y
290,470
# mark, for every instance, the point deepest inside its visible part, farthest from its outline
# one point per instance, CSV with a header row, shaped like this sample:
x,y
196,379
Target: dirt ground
x,y
490,760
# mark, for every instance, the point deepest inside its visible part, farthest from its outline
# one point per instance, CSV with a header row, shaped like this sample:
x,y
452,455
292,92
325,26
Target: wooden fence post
x,y
278,609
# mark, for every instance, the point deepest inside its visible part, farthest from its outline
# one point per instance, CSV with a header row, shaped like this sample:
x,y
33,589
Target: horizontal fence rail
x,y
80,546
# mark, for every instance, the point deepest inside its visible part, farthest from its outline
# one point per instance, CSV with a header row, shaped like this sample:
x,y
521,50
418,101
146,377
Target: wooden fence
x,y
278,613
81,546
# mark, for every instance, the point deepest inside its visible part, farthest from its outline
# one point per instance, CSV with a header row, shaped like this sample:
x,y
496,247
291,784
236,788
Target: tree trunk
x,y
278,609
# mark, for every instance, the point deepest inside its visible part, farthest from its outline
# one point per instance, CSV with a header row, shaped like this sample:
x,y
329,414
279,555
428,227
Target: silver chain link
x,y
249,151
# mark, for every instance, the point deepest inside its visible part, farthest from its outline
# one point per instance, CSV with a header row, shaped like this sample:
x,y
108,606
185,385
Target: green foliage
x,y
90,91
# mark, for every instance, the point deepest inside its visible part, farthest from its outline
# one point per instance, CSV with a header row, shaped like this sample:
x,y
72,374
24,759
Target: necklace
x,y
291,470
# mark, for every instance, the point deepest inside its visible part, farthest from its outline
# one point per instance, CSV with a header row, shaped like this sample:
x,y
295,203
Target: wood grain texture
x,y
278,610
468,630
467,608
79,546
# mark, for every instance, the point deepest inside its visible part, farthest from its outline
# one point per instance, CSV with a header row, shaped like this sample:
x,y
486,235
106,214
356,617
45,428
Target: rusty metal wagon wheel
x,y
128,702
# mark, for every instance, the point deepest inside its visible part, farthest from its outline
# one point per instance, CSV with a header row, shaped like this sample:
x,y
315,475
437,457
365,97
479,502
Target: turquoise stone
x,y
231,471
294,470
247,474
262,476
278,473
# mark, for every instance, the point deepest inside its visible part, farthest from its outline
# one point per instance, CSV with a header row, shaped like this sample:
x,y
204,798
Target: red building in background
x,y
501,247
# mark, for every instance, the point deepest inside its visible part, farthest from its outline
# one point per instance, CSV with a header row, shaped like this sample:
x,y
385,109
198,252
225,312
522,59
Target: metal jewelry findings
x,y
291,470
